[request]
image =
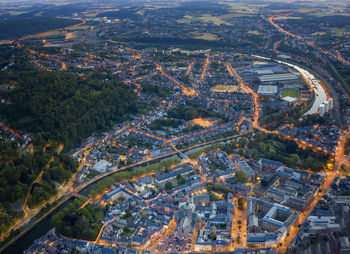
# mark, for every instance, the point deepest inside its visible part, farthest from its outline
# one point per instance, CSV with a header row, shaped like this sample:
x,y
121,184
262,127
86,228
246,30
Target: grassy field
x,y
339,32
216,20
324,13
318,33
256,32
206,36
290,92
204,18
236,15
188,19
17,12
246,8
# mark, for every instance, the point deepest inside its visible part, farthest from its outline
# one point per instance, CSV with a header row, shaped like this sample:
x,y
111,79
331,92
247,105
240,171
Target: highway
x,y
335,56
54,58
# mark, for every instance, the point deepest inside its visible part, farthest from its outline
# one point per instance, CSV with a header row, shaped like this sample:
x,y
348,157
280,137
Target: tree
x,y
291,147
313,164
77,222
241,203
246,154
243,141
65,107
212,236
294,159
241,177
212,197
168,186
181,180
259,137
261,147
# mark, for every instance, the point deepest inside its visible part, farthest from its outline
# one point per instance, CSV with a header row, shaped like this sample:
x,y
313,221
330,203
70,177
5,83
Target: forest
x,y
55,109
274,147
156,90
19,167
64,107
81,223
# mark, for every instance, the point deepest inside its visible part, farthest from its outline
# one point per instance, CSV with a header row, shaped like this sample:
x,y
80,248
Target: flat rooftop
x,y
266,89
278,77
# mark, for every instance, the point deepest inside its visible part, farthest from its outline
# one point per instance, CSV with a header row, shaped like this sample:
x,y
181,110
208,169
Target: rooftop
x,y
267,89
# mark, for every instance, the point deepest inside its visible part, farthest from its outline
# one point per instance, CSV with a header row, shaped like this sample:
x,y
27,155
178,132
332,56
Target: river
x,y
45,225
36,232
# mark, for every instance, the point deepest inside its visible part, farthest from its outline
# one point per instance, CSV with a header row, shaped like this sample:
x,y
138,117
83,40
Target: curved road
x,y
336,56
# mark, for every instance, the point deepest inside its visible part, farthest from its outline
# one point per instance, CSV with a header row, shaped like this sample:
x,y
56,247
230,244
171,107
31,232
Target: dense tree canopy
x,y
64,107
18,170
274,147
79,223
241,177
54,108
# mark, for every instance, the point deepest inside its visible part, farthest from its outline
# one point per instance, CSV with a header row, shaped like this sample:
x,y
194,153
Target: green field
x,y
188,19
291,92
206,18
340,31
245,8
205,36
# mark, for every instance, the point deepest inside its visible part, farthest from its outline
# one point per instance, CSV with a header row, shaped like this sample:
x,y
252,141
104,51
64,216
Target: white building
x,y
139,186
102,166
267,90
330,103
326,106
321,110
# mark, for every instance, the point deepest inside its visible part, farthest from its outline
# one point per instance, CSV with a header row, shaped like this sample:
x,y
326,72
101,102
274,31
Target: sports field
x,y
290,92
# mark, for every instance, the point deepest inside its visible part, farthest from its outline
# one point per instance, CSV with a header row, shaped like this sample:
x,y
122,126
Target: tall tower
x,y
330,103
321,109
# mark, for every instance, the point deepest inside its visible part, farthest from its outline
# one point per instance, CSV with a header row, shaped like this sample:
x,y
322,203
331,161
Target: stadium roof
x,y
267,90
278,77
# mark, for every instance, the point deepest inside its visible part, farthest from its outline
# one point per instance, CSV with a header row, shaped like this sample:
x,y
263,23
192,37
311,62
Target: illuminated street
x,y
174,127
